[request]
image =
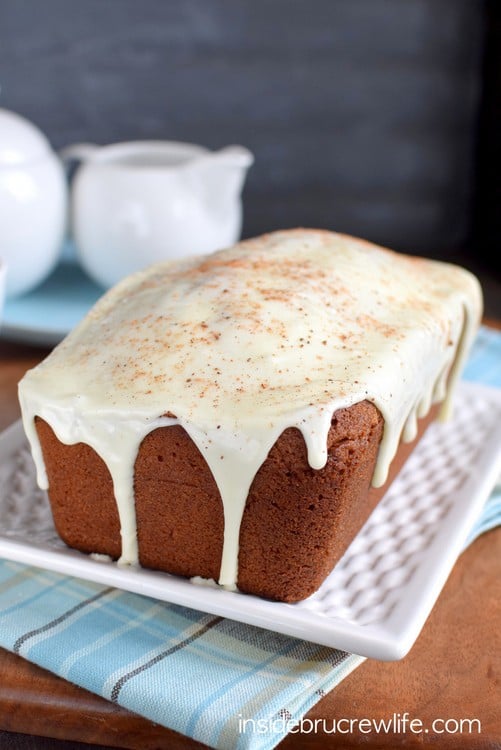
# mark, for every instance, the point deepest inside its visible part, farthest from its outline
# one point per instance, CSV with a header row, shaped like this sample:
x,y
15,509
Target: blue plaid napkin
x,y
223,683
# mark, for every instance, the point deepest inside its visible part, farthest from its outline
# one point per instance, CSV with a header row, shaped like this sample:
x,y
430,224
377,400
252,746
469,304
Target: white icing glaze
x,y
276,332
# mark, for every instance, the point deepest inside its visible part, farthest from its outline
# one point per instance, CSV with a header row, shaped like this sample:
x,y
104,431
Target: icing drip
x,y
276,332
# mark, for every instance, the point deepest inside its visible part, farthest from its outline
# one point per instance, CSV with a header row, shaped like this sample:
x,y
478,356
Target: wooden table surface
x,y
452,672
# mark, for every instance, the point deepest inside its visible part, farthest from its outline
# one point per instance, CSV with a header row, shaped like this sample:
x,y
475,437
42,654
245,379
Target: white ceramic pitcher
x,y
139,202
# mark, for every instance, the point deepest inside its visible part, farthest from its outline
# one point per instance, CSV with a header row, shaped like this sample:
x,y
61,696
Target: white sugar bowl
x,y
33,203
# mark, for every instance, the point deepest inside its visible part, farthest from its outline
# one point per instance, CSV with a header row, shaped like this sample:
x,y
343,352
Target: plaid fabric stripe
x,y
190,671
187,670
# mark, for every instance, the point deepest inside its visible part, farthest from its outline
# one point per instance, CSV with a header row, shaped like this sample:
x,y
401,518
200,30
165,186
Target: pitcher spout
x,y
238,157
221,176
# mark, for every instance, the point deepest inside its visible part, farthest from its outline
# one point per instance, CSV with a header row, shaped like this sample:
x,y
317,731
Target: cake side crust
x,y
325,509
297,521
81,495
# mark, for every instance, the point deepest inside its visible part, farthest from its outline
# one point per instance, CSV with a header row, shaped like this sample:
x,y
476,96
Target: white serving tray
x,y
379,595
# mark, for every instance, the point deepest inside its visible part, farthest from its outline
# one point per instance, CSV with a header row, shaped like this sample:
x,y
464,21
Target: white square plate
x,y
379,595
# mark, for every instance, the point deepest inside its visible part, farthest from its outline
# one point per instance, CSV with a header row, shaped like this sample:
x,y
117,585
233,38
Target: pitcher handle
x,y
77,151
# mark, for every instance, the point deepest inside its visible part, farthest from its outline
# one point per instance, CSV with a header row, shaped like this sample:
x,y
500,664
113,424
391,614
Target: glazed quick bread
x,y
237,416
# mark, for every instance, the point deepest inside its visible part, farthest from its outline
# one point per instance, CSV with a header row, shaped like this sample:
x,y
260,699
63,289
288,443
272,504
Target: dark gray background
x,y
361,113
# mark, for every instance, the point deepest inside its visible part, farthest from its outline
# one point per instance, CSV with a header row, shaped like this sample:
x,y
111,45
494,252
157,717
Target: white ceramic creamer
x,y
141,202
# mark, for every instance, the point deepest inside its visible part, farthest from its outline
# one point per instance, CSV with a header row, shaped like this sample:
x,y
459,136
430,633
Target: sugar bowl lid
x,y
20,140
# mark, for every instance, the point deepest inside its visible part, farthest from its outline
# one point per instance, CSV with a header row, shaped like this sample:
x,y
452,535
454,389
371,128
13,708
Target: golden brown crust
x,y
81,495
178,509
296,518
297,522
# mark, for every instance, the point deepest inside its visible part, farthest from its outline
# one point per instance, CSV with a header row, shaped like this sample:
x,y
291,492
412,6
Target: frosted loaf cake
x,y
231,416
